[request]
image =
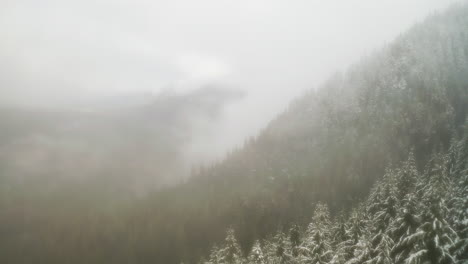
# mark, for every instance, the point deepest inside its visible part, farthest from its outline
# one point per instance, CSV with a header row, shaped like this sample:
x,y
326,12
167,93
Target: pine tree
x,y
276,249
340,240
256,255
317,246
376,197
295,240
383,195
434,238
355,232
378,225
231,253
269,251
459,217
214,257
407,218
459,188
461,156
338,231
458,203
362,251
381,220
406,177
431,243
382,246
404,225
385,230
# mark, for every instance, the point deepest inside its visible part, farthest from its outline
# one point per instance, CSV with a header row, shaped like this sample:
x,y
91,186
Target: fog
x,y
91,55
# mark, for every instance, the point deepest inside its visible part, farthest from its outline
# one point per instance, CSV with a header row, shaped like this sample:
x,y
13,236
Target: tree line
x,y
409,217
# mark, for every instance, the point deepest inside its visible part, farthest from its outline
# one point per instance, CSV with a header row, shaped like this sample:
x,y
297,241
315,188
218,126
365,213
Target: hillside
x,y
330,146
409,217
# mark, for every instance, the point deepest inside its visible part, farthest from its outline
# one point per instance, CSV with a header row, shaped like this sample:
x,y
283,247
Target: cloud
x,y
202,68
65,53
156,141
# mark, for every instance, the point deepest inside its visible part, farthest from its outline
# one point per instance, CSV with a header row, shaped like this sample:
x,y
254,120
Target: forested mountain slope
x,y
331,145
409,217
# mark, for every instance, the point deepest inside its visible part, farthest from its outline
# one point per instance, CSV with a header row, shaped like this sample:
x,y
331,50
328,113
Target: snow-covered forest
x,y
410,216
410,99
371,167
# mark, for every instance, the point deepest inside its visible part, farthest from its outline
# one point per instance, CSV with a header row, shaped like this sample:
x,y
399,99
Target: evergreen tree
x,y
431,243
406,177
294,239
355,245
461,153
362,251
256,255
434,239
317,246
380,221
277,249
382,245
378,224
404,225
214,257
231,253
340,240
459,217
458,204
386,230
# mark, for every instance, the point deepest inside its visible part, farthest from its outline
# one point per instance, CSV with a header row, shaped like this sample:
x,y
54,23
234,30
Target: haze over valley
x,y
234,132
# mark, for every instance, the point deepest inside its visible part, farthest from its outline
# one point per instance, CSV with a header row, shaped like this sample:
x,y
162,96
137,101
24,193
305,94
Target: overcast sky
x,y
57,52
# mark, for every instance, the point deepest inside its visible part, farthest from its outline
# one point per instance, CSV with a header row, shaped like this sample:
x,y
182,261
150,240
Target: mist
x,y
234,132
73,54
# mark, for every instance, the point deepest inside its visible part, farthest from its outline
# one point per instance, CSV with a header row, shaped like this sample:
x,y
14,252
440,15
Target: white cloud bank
x,y
56,53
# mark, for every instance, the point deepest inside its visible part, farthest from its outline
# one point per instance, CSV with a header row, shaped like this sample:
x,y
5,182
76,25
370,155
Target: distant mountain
x,y
331,145
134,145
